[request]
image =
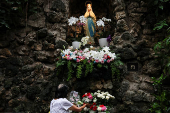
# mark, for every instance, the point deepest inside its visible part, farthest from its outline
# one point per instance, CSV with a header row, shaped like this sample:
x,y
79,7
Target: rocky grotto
x,y
29,53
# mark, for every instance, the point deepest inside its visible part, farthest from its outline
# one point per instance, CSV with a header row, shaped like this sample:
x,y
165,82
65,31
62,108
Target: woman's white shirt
x,y
60,105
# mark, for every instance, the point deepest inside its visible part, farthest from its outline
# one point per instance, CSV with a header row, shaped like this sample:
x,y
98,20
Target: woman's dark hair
x,y
61,91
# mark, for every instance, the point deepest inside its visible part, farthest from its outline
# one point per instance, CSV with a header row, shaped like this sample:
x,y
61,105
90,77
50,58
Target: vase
x,y
76,44
103,42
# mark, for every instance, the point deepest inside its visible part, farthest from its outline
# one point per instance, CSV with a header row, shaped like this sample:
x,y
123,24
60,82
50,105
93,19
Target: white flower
x,y
99,95
84,40
100,23
72,21
71,47
109,20
104,19
104,93
66,51
91,46
73,56
113,97
85,109
82,19
87,100
99,109
103,97
106,49
95,94
98,91
86,50
107,97
107,92
95,100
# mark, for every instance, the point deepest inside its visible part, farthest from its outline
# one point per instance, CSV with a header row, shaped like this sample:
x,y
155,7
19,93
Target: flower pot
x,y
103,42
76,44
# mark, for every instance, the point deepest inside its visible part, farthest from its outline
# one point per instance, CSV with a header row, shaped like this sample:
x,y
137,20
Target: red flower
x,y
84,96
94,108
88,94
94,103
91,107
108,57
101,106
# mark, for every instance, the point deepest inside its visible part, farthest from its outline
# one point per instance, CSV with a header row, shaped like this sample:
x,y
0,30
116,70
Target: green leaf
x,y
74,64
99,65
105,66
161,7
155,2
158,111
155,105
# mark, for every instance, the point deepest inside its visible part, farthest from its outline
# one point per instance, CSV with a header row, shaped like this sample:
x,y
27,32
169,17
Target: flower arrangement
x,y
86,59
101,23
100,101
101,56
78,23
77,60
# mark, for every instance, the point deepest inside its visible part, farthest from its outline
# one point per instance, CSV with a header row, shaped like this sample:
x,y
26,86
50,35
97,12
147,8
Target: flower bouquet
x,y
100,102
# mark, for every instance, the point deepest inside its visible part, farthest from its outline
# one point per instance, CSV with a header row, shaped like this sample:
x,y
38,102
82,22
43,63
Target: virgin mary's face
x,y
89,7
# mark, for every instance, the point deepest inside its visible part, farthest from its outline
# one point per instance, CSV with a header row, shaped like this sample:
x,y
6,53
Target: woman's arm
x,y
77,109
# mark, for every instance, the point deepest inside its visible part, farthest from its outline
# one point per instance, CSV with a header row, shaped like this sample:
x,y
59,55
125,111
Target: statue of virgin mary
x,y
90,29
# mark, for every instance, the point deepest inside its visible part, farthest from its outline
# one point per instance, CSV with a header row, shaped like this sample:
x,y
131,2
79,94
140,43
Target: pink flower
x,y
75,52
104,108
84,58
105,56
96,61
80,57
80,51
90,96
108,61
112,59
88,61
102,61
68,58
78,60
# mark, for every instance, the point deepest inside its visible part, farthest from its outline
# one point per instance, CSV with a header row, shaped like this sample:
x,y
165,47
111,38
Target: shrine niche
x,y
102,20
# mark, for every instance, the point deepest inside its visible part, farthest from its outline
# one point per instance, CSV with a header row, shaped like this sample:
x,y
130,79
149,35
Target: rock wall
x,y
28,56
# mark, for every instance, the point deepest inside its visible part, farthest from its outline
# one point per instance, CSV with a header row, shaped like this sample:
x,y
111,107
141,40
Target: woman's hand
x,y
88,105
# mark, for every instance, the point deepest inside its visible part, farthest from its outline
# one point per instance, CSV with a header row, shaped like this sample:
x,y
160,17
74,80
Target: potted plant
x,y
103,34
78,30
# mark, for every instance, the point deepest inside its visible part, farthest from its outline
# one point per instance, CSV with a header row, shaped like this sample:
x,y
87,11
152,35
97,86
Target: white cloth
x,y
60,105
